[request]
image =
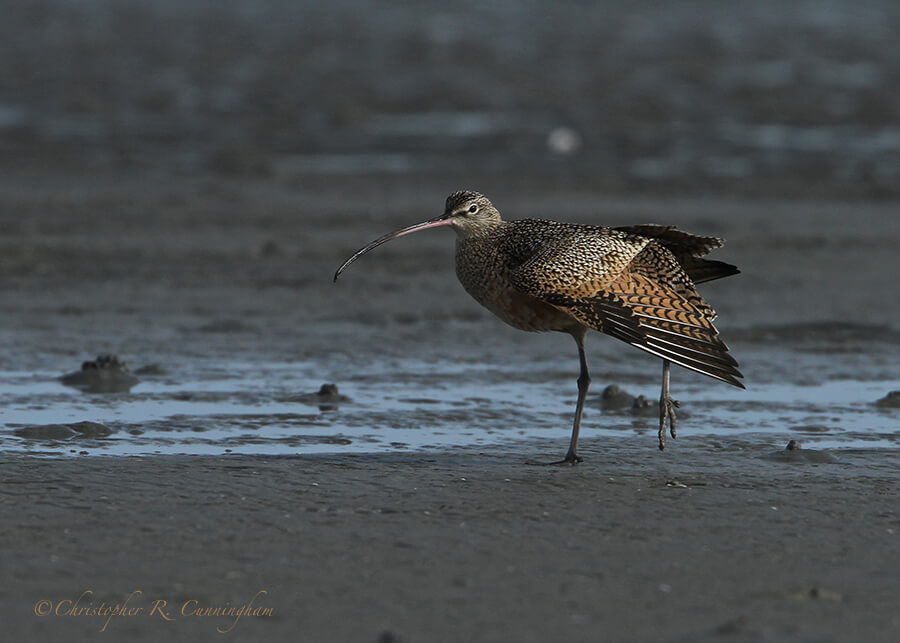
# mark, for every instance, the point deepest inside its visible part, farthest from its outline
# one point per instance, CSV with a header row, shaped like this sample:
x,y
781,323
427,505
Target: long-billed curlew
x,y
635,283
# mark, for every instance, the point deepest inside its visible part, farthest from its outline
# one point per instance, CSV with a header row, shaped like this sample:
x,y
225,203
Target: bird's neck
x,y
479,230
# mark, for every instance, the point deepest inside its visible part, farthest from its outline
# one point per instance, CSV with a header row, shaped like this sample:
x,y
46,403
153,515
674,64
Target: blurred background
x,y
790,98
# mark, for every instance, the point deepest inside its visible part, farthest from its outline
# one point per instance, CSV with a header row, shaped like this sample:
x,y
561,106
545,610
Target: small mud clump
x,y
64,431
794,452
889,401
328,394
614,398
645,408
150,369
106,374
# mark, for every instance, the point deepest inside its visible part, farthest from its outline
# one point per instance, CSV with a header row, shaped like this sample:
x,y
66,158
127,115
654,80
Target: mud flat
x,y
227,287
462,546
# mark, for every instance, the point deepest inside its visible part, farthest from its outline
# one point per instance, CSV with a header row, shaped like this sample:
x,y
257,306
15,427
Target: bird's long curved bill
x,y
431,223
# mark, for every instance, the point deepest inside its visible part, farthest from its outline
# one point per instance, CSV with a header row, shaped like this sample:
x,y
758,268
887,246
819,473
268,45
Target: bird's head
x,y
468,213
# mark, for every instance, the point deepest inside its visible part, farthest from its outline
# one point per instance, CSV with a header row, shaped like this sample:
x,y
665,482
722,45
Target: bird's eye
x,y
473,209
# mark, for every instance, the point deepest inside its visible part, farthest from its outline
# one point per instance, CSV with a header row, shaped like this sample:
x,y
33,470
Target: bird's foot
x,y
571,459
667,417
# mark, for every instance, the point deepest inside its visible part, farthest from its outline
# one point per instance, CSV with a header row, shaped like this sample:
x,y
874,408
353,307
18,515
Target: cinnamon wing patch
x,y
663,324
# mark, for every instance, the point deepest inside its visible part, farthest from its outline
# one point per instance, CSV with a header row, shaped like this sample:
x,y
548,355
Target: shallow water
x,y
410,405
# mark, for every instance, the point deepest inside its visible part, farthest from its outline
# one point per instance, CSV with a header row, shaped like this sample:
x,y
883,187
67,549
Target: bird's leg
x,y
667,407
584,381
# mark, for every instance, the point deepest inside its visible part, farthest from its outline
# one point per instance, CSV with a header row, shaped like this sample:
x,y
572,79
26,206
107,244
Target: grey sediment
x,y
630,545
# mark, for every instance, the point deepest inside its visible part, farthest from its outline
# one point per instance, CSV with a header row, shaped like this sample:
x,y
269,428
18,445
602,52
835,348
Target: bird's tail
x,y
688,250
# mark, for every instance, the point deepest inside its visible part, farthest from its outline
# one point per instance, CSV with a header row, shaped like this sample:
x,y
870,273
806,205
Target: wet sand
x,y
458,547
